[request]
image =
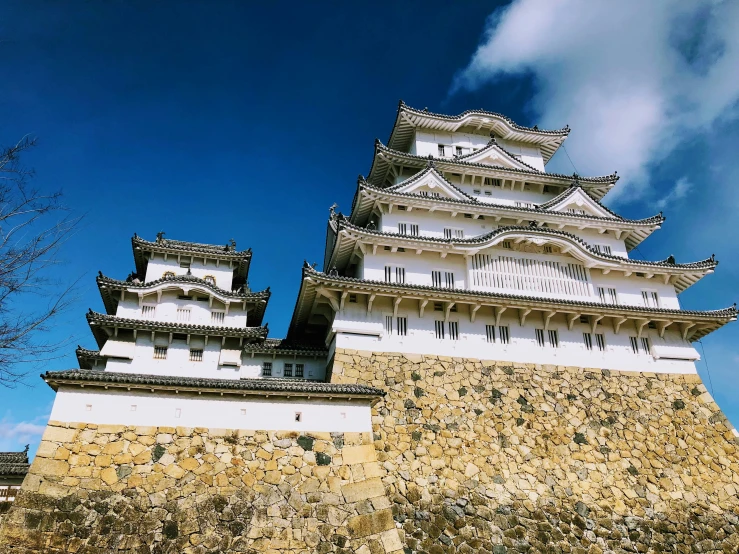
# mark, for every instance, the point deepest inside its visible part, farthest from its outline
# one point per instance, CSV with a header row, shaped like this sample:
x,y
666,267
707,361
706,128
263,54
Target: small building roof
x,y
228,253
283,347
99,322
14,464
409,119
256,300
86,358
256,386
384,157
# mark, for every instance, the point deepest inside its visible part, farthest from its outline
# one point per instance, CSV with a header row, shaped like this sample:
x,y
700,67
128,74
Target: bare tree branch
x,y
33,226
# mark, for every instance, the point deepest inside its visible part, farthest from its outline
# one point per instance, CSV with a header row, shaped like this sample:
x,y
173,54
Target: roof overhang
x,y
331,292
386,159
270,388
477,121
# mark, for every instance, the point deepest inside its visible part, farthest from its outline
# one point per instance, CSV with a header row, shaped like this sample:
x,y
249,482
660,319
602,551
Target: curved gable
x,y
495,155
576,200
430,183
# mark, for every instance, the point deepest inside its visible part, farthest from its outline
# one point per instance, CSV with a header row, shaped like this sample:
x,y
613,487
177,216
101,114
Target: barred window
x,y
288,370
196,354
454,330
490,333
183,314
148,312
588,339
553,339
388,324
645,344
299,370
505,334
267,369
651,298
440,150
600,340
540,337
217,317
402,326
634,345
160,352
439,327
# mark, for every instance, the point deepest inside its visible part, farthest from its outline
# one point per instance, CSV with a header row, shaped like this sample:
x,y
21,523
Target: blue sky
x,y
223,120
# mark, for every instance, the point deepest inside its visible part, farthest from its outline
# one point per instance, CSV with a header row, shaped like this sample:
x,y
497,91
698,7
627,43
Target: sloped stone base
x,y
101,489
498,457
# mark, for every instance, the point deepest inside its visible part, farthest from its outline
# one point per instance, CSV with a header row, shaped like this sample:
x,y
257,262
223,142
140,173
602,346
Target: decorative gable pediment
x,y
430,183
577,201
494,155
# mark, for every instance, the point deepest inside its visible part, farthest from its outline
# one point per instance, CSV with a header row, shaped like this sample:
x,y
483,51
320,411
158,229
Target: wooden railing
x,y
8,493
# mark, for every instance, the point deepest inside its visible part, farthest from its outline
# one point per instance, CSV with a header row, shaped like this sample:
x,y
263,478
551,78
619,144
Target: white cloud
x,y
677,192
14,435
633,79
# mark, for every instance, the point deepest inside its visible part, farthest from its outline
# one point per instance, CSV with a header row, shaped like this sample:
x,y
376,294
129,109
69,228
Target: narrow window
x,y
438,307
547,250
439,327
388,273
491,182
553,339
160,352
267,369
440,150
436,194
458,233
588,340
299,370
183,314
602,295
606,249
468,216
507,244
298,417
651,298
546,189
196,354
600,340
414,230
402,228
178,412
540,337
424,193
148,312
488,193
505,334
400,275
353,298
401,208
217,317
458,150
584,319
449,279
454,330
402,326
388,324
634,345
133,407
447,233
287,370
645,344
475,191
490,333
613,296
436,278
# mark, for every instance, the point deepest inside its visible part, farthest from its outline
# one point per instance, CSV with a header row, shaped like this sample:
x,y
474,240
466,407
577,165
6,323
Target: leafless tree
x,y
33,226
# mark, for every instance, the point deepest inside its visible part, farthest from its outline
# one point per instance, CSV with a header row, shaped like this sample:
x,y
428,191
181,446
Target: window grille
x,y
476,191
184,297
547,250
388,273
436,278
217,318
299,370
414,230
449,279
397,272
183,314
553,339
454,330
651,298
436,194
584,319
540,337
528,274
645,344
440,150
267,369
424,193
588,340
388,324
488,193
600,340
507,244
490,333
505,334
602,248
402,326
160,352
400,275
401,208
148,312
403,228
287,370
439,328
438,307
353,298
196,354
607,295
524,205
459,150
634,345
491,182
453,233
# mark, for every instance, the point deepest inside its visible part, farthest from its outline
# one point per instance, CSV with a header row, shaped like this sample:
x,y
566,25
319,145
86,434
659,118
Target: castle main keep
x,y
479,365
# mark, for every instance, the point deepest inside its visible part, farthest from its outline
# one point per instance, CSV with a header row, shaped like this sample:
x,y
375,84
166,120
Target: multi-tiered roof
x,y
401,179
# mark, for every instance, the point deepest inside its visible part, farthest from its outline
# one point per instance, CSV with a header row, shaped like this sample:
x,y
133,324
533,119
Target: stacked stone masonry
x,y
467,456
100,489
495,457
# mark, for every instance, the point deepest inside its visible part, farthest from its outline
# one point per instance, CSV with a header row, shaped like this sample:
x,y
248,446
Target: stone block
x,y
50,468
358,454
370,524
370,488
59,434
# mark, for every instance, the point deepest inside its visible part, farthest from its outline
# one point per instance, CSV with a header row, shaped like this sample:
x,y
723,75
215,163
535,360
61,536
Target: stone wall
x,y
495,457
101,489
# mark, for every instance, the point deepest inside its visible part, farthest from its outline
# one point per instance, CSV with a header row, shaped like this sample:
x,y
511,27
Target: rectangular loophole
x,y
177,412
298,417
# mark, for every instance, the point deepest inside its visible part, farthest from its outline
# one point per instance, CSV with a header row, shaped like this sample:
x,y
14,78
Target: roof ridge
x,y
266,292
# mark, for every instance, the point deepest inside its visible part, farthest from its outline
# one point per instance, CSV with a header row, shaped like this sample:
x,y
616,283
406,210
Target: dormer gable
x,y
494,155
576,200
430,182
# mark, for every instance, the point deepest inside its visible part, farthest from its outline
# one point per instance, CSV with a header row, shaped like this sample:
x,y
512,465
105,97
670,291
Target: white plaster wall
x,y
427,142
166,309
209,410
158,266
523,347
629,289
418,267
433,224
314,370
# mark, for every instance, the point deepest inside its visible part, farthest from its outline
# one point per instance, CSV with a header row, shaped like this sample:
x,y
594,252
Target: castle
x,y
478,366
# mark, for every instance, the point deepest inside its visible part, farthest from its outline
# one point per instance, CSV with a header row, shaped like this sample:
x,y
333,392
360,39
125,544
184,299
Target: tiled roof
x,y
273,385
708,263
14,463
85,357
96,320
493,145
281,346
